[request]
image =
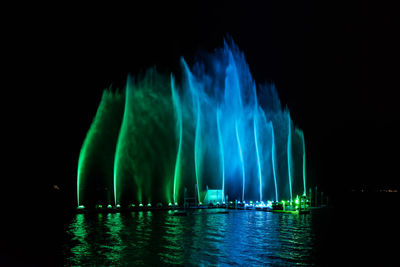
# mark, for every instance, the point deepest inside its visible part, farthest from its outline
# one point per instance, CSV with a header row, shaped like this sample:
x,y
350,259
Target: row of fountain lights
x,y
251,204
131,206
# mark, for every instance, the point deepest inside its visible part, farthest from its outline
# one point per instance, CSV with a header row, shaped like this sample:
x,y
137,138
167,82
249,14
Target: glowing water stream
x,y
208,129
177,174
258,155
221,149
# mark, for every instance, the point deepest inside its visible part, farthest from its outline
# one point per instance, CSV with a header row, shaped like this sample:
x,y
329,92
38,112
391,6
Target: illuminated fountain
x,y
166,140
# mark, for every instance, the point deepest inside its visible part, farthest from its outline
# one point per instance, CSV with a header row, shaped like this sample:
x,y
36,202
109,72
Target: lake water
x,y
361,236
204,237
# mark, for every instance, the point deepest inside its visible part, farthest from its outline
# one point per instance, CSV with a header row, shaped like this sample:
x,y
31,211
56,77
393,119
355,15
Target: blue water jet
x,y
221,150
210,129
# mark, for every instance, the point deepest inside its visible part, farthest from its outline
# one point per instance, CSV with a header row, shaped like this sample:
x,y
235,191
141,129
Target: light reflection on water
x,y
202,238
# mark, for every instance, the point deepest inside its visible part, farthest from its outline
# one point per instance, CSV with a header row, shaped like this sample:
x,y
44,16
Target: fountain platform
x,y
182,209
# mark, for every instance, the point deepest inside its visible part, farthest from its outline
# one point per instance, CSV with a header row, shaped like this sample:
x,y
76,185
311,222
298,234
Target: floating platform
x,y
290,211
183,211
144,208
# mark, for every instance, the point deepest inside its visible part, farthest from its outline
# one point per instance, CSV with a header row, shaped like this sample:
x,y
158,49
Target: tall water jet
x,y
258,154
281,132
289,156
196,111
177,106
95,170
146,151
298,156
221,151
263,131
210,130
185,106
304,163
197,157
120,143
273,163
280,118
241,160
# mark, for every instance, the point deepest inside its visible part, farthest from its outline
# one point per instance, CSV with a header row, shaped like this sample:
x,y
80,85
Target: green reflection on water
x,y
101,246
112,249
173,235
202,237
79,232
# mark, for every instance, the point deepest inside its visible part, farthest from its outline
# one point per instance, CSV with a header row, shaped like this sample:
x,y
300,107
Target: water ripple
x,y
202,238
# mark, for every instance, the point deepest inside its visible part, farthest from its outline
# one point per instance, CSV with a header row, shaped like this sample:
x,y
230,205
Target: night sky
x,y
335,67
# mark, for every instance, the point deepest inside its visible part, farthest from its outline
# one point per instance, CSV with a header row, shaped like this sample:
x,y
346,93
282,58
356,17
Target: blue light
x,y
218,130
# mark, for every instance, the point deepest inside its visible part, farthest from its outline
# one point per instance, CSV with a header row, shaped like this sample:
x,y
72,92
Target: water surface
x,y
201,238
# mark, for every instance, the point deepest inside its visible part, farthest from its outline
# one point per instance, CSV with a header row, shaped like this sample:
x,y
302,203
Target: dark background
x,y
334,66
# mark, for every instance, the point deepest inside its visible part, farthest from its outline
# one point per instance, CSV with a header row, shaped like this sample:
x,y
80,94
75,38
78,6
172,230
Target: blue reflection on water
x,y
201,238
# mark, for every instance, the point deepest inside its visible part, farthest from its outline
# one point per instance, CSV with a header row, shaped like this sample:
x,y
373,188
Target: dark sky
x,y
334,65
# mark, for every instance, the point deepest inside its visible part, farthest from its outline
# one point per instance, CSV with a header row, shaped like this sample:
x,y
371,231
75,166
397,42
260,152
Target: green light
x,y
101,135
81,207
177,175
132,205
99,206
146,150
118,205
140,205
289,158
197,148
150,169
176,203
169,204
